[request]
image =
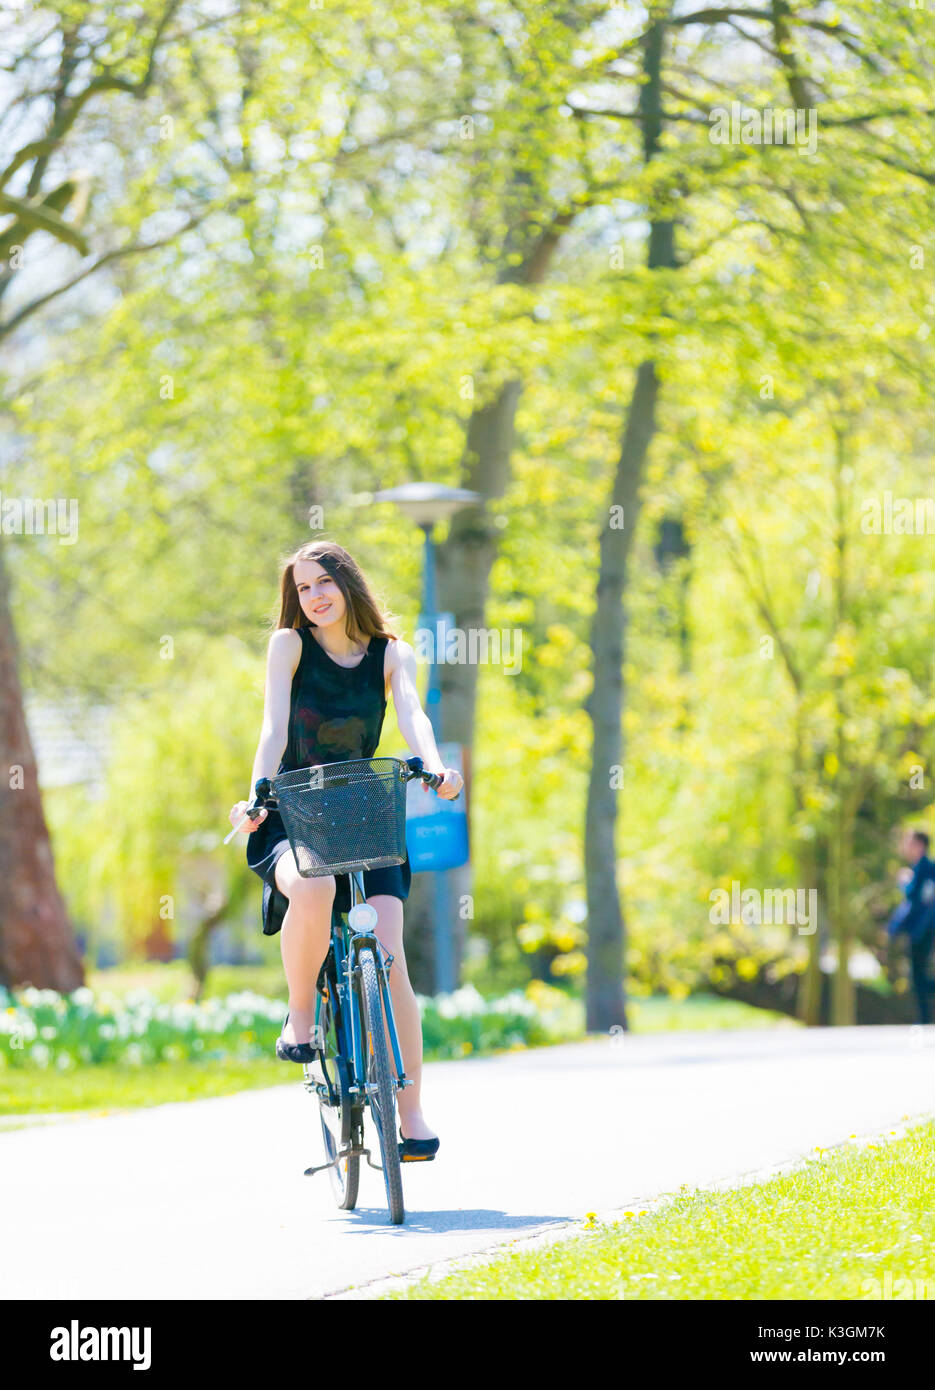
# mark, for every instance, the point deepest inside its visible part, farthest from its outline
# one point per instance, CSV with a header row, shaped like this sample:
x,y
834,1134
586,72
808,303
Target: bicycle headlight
x,y
362,917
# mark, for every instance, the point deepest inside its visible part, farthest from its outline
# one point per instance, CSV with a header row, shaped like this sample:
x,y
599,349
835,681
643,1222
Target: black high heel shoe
x,y
295,1052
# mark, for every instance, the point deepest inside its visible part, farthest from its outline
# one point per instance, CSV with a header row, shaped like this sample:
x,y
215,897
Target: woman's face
x,y
321,600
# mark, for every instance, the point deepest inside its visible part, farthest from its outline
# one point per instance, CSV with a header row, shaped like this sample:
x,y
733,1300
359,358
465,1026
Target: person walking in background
x,y
915,915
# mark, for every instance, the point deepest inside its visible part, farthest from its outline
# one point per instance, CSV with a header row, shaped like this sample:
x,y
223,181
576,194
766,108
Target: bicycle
x,y
344,818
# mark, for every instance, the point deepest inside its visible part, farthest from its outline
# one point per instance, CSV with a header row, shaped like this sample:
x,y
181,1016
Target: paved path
x,y
208,1198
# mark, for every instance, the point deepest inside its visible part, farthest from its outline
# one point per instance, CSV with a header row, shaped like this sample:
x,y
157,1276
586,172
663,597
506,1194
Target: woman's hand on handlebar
x,y
238,812
452,784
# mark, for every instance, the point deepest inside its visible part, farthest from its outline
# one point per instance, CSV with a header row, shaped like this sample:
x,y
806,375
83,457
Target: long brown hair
x,y
364,616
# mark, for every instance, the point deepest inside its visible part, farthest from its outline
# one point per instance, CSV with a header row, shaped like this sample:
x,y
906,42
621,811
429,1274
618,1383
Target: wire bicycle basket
x,y
340,817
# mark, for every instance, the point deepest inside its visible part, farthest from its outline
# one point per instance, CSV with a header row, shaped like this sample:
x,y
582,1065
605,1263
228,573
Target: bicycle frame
x,y
342,978
340,1074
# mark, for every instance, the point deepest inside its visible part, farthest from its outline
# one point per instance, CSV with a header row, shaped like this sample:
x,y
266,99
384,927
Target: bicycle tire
x,y
344,1175
383,1100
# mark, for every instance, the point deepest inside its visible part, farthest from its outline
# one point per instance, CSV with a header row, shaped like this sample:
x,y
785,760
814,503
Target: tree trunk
x,y
158,944
37,946
812,874
808,1008
605,994
843,997
464,560
605,1000
419,942
673,548
463,564
199,947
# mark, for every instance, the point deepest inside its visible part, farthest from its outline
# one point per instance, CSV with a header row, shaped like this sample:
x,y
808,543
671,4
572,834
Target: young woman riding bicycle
x,y
331,663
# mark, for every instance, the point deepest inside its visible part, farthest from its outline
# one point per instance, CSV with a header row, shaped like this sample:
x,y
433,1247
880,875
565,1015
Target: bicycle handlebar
x,y
431,779
264,799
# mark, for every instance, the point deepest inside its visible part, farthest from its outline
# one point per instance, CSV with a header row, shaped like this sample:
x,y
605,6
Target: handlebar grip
x,y
431,779
243,819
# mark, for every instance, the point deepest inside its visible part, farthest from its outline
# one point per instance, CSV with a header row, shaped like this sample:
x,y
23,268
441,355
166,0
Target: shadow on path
x,y
363,1220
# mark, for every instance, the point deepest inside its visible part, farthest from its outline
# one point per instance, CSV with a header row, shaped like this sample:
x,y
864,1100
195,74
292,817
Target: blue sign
x,y
437,842
436,828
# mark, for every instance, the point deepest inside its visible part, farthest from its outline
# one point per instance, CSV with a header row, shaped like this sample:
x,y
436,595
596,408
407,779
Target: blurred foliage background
x,y
336,200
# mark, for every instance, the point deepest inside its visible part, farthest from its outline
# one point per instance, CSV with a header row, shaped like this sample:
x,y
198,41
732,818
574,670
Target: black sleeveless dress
x,y
336,714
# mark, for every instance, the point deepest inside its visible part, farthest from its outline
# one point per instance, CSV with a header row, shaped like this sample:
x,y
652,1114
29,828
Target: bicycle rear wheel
x,y
383,1094
339,1122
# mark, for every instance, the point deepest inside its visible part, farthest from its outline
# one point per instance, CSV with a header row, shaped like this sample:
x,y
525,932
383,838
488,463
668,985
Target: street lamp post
x,y
426,504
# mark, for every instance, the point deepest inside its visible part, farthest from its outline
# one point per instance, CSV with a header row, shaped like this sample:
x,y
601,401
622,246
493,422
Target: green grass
x,y
699,1012
113,1087
850,1223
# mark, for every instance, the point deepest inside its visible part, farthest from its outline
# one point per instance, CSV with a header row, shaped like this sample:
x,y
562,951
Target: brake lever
x,y
243,820
263,800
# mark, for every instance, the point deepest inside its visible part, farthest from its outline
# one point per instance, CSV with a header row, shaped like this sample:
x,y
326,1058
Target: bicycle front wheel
x,y
382,1093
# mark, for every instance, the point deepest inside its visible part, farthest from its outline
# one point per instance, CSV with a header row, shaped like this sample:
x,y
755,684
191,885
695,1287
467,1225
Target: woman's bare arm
x,y
414,724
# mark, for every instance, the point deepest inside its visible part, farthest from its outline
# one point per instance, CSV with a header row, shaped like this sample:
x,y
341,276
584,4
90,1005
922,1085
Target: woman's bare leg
x,y
389,931
305,936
